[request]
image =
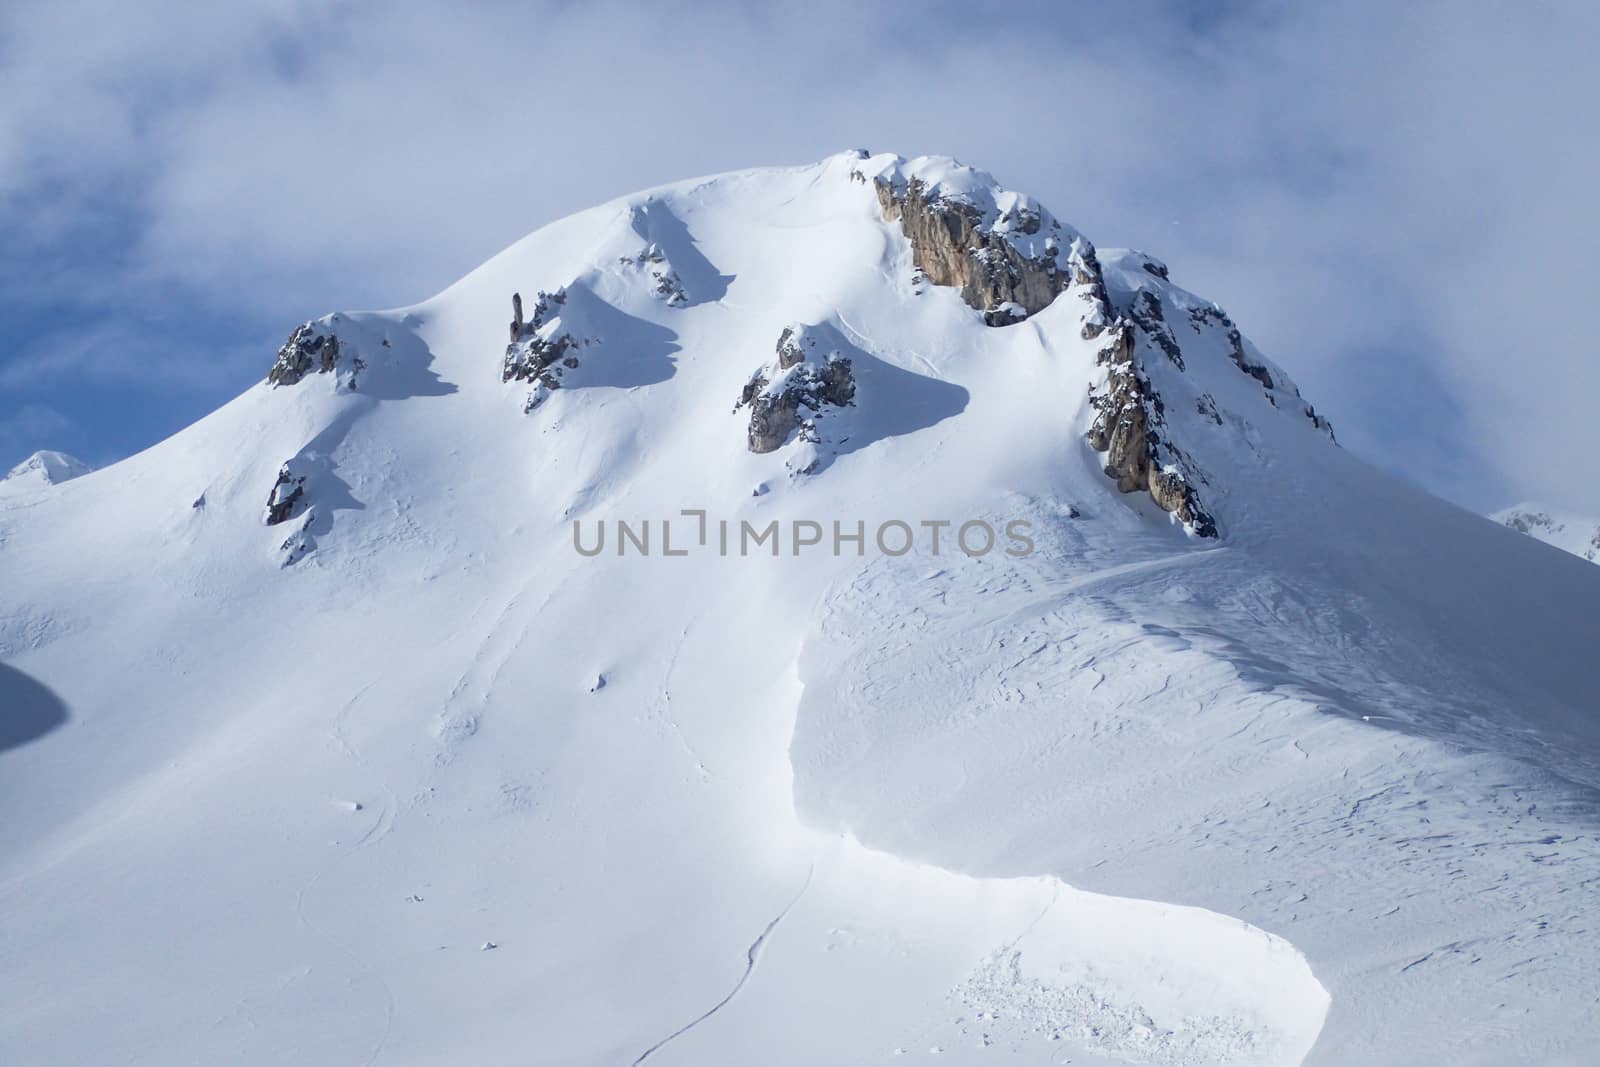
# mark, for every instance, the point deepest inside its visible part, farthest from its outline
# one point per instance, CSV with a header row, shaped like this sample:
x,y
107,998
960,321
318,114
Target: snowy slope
x,y
1570,533
406,778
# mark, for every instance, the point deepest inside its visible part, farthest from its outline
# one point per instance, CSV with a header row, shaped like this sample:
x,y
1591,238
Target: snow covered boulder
x,y
811,372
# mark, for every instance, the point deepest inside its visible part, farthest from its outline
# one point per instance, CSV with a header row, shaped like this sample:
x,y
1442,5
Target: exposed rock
x,y
1147,315
952,245
1568,533
308,349
541,349
663,280
286,492
809,373
1005,314
1129,426
1529,521
1090,285
1274,383
1005,253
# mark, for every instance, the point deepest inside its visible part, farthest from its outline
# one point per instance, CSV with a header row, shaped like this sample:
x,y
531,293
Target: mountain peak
x,y
390,651
1168,386
47,467
1579,535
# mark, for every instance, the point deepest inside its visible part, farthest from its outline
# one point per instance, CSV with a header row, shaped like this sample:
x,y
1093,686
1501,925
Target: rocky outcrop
x,y
1004,252
951,245
662,280
309,349
542,349
785,395
1129,426
1146,314
287,492
1009,258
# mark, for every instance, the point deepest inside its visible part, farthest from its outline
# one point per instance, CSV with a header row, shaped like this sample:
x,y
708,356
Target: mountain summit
x,y
806,615
47,468
1580,536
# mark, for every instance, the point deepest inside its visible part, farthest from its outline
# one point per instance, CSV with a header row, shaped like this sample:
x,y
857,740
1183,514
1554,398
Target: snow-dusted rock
x,y
542,350
1130,427
663,282
811,372
287,492
1001,249
311,348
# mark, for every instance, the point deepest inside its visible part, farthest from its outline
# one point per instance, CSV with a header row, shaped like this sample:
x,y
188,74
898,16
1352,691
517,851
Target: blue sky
x,y
1394,201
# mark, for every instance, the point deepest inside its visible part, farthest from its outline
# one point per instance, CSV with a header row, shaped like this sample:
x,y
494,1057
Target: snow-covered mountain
x,y
1570,533
44,468
847,617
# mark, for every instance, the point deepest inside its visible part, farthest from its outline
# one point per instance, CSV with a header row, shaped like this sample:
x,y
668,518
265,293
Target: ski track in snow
x,y
752,959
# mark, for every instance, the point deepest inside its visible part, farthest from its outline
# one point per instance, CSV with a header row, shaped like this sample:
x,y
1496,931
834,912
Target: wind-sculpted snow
x,y
1068,693
451,790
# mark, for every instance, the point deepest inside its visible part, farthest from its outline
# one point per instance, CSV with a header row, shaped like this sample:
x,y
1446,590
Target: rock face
x,y
309,349
951,246
785,395
1005,253
1130,428
1160,334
